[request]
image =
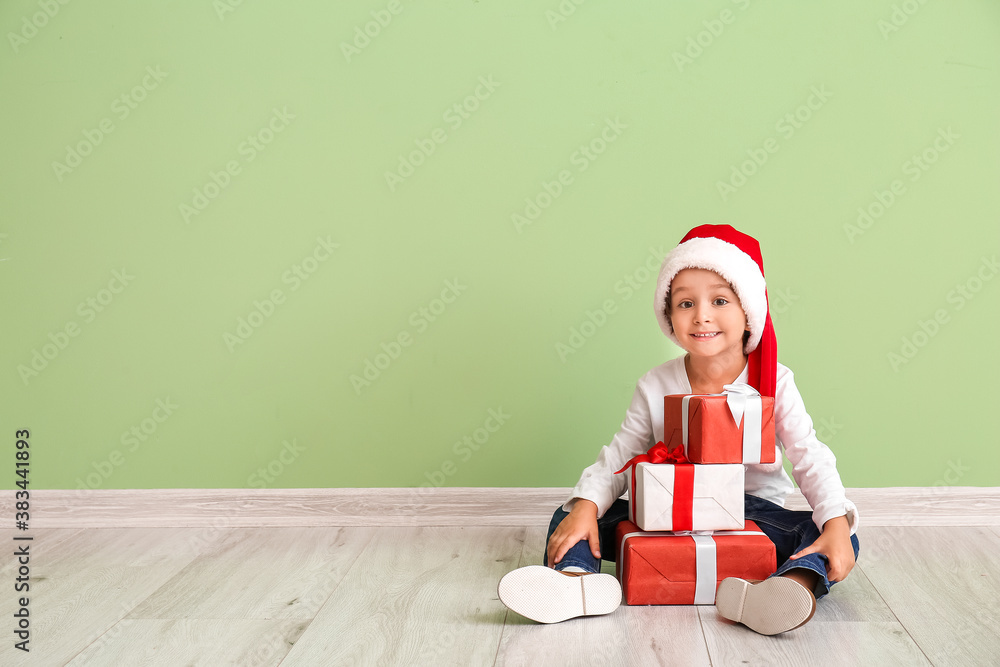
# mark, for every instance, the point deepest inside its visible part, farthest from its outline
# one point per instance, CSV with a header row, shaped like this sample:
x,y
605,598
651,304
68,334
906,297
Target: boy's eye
x,y
685,304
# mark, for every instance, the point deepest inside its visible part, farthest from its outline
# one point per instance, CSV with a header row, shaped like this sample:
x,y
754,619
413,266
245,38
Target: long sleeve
x,y
814,465
599,483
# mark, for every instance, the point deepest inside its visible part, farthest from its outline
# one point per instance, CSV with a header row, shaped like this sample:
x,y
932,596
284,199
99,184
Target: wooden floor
x,y
426,595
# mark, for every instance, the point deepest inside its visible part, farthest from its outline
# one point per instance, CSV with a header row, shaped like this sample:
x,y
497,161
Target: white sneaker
x,y
550,596
772,606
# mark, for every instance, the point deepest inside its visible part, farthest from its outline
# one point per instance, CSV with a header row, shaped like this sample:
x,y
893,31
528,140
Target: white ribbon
x,y
706,568
704,590
743,400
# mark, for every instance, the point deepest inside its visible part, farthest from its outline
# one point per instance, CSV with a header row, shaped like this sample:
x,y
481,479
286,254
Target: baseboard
x,y
475,506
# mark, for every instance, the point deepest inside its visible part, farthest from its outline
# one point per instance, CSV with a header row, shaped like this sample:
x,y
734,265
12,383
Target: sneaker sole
x,y
773,606
547,596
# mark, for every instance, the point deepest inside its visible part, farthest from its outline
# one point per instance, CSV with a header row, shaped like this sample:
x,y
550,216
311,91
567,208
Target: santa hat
x,y
736,257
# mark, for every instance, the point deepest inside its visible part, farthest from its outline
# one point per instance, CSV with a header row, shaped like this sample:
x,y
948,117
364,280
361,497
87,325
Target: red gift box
x,y
714,435
669,568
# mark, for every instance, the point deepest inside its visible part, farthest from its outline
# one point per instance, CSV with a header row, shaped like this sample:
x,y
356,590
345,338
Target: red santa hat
x,y
736,257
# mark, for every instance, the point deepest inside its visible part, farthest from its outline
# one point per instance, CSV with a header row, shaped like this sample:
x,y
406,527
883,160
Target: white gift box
x,y
717,503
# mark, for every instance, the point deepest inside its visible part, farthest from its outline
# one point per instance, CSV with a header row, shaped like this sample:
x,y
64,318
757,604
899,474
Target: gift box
x,y
733,427
657,568
674,497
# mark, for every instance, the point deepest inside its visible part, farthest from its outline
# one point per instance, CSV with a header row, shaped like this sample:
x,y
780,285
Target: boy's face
x,y
701,302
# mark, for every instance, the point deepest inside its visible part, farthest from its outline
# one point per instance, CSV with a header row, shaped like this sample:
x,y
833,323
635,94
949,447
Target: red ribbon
x,y
683,482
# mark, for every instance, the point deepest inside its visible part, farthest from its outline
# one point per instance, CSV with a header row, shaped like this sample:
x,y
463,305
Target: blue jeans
x,y
791,531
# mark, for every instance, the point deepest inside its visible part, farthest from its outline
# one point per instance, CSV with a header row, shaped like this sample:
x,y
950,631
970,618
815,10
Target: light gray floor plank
x,y
84,581
627,636
262,573
416,596
854,599
190,642
942,584
815,643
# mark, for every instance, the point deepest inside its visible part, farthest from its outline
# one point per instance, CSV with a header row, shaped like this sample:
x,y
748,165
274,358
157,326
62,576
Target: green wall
x,y
169,170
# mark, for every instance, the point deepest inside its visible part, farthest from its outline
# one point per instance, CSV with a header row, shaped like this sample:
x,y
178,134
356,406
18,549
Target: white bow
x,y
740,397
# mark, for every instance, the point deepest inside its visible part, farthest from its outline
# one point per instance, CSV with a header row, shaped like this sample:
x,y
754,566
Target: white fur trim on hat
x,y
737,267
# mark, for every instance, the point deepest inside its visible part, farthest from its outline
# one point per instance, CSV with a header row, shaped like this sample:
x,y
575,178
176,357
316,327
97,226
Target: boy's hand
x,y
835,544
581,524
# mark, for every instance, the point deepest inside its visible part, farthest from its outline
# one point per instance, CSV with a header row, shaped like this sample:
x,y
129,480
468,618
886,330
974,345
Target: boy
x,y
711,300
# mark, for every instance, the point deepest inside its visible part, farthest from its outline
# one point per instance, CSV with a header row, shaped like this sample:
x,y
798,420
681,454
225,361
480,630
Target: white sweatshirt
x,y
813,464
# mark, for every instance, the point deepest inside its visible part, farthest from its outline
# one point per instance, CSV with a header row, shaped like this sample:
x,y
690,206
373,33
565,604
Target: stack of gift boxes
x,y
687,531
